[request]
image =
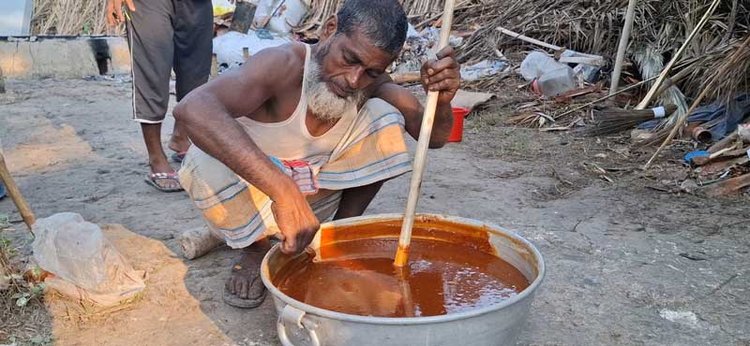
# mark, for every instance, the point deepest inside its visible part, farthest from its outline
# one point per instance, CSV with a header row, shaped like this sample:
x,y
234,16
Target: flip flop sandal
x,y
152,178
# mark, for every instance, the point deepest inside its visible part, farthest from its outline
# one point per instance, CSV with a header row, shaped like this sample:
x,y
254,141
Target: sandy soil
x,y
626,264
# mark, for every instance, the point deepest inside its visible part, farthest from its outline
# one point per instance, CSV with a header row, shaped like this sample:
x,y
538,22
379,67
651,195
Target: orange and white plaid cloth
x,y
372,150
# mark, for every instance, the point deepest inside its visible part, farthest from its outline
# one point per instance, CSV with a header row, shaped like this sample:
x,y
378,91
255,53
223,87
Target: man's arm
x,y
441,75
208,116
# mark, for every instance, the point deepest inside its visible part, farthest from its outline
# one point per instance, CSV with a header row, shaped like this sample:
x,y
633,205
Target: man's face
x,y
343,67
351,63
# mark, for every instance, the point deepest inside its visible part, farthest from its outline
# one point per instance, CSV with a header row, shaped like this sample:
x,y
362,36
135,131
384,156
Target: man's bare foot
x,y
244,289
178,144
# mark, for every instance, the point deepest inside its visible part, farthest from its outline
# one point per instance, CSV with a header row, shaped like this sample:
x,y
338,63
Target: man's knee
x,y
202,176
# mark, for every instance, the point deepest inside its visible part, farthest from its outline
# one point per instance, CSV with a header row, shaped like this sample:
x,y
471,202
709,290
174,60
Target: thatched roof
x,y
589,26
69,17
594,26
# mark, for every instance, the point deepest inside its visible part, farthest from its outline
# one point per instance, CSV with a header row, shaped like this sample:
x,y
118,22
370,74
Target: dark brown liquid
x,y
358,277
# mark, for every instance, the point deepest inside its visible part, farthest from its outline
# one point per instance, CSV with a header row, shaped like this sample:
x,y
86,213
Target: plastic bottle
x,y
533,66
557,81
552,78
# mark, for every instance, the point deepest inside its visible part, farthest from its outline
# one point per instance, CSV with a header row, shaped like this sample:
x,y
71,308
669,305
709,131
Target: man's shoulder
x,y
279,61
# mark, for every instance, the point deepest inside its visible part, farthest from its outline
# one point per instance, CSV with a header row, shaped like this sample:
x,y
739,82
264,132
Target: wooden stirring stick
x,y
420,158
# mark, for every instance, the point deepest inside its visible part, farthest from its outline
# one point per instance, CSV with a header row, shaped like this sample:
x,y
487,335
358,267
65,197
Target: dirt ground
x,y
627,264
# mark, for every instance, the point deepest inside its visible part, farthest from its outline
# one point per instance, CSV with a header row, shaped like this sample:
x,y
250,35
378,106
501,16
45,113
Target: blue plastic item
x,y
697,153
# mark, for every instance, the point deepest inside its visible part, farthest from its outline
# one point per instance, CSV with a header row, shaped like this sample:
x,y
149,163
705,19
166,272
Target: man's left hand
x,y
442,75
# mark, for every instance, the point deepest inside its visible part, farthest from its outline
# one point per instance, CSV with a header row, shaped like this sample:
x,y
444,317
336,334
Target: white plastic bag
x,y
263,11
288,15
279,16
85,264
228,47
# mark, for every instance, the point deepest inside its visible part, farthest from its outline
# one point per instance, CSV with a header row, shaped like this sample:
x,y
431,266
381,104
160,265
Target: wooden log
x,y
406,77
197,242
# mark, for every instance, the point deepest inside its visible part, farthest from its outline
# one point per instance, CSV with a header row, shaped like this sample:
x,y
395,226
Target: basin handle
x,y
290,314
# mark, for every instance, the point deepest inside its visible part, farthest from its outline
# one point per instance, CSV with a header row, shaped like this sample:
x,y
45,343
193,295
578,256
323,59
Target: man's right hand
x,y
297,222
114,11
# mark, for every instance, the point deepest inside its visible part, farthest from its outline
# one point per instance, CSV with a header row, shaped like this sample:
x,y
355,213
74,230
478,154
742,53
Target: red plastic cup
x,y
457,131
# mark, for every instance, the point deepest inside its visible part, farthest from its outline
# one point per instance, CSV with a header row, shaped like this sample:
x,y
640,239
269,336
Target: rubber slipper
x,y
153,178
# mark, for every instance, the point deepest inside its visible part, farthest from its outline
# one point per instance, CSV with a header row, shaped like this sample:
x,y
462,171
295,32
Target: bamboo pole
x,y
15,194
624,40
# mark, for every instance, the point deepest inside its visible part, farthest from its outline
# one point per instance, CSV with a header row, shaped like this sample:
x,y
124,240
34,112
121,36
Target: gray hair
x,y
381,21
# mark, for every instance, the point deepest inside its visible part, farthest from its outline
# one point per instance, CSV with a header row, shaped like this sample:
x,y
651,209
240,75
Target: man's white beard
x,y
323,103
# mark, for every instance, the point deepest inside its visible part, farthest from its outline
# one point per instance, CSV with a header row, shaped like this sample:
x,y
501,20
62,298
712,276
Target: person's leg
x,y
162,173
239,213
150,35
193,46
179,141
354,201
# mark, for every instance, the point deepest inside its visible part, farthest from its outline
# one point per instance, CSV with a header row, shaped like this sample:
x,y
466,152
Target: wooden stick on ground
x,y
624,40
420,157
15,195
663,75
528,39
541,43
